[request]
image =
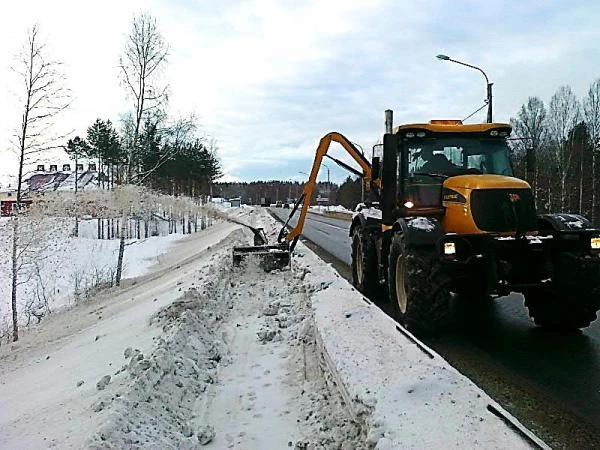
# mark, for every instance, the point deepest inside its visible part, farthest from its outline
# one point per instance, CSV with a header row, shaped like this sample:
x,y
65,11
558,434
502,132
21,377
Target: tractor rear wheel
x,y
550,309
571,300
364,263
418,288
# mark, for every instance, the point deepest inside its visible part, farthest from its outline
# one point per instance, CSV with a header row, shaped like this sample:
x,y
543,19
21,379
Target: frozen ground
x,y
198,354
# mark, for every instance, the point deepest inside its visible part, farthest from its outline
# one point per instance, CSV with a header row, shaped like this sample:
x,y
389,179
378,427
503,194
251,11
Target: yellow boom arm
x,y
312,180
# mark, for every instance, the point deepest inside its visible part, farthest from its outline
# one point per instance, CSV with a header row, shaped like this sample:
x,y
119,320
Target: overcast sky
x,y
268,78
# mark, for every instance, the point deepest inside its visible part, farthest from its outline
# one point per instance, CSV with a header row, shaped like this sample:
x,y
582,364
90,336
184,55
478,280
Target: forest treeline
x,y
564,138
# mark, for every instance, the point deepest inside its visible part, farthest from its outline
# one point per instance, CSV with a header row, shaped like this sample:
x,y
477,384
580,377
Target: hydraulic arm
x,y
304,200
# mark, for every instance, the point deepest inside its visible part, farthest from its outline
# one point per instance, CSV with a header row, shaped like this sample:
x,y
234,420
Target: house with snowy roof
x,y
43,180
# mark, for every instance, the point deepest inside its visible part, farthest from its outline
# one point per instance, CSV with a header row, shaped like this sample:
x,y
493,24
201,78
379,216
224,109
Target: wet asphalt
x,y
561,371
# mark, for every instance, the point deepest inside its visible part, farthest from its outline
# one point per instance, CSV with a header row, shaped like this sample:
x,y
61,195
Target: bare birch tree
x,y
43,97
530,125
564,114
591,111
142,64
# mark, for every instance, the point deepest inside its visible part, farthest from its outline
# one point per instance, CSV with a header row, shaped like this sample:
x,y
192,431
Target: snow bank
x,y
319,209
162,406
414,398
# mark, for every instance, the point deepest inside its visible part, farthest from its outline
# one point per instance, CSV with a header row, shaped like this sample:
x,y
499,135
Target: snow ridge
x,y
162,408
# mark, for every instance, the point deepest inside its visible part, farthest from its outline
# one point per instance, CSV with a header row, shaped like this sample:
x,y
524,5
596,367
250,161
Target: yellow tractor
x,y
448,217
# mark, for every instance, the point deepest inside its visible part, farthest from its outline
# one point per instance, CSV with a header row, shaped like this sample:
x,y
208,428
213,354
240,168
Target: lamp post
x,y
487,81
290,190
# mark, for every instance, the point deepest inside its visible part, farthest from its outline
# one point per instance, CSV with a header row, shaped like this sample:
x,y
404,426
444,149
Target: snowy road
x,y
329,233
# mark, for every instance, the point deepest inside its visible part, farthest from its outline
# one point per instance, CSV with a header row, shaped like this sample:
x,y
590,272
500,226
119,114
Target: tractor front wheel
x,y
418,288
364,263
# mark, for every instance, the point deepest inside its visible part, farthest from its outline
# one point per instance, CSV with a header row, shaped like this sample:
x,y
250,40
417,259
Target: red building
x,y
8,199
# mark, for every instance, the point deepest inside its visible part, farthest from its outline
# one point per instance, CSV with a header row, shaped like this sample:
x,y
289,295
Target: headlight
x,y
595,243
450,248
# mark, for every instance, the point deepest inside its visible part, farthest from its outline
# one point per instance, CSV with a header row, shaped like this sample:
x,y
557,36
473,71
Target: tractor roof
x,y
453,126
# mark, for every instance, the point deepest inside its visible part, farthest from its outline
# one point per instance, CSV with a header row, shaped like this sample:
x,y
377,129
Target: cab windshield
x,y
451,156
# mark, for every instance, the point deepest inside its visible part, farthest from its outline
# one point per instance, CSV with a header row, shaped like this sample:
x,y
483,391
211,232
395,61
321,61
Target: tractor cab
x,y
431,153
462,175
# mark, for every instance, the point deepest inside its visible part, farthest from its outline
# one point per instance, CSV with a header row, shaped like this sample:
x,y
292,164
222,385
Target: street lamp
x,y
291,180
487,81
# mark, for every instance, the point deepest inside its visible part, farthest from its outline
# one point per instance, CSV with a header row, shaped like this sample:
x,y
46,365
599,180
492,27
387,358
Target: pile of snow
x,y
409,396
320,209
371,211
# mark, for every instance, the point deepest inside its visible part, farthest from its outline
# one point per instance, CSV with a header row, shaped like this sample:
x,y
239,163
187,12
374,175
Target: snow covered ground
x,y
61,268
198,353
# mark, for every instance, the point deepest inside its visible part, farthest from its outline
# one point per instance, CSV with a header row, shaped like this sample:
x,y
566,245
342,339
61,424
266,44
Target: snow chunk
x,y
421,223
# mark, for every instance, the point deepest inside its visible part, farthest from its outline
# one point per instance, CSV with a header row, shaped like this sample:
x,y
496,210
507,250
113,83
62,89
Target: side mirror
x,y
530,159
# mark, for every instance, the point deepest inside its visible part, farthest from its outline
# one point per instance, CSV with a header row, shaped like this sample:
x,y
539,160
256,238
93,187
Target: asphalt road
x,y
551,381
328,233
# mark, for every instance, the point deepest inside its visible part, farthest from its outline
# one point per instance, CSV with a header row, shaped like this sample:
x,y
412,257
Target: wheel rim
x,y
359,262
400,288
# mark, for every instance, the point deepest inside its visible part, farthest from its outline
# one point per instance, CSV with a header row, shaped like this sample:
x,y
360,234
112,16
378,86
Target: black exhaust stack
x,y
389,170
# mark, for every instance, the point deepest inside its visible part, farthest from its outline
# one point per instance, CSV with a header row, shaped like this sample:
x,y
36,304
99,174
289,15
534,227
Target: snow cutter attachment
x,y
270,257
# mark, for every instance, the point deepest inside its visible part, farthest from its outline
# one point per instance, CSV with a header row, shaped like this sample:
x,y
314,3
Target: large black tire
x,y
549,309
571,300
418,288
364,263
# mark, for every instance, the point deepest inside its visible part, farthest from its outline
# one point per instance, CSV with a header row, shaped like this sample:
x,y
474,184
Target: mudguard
x,y
366,218
358,220
420,231
563,222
